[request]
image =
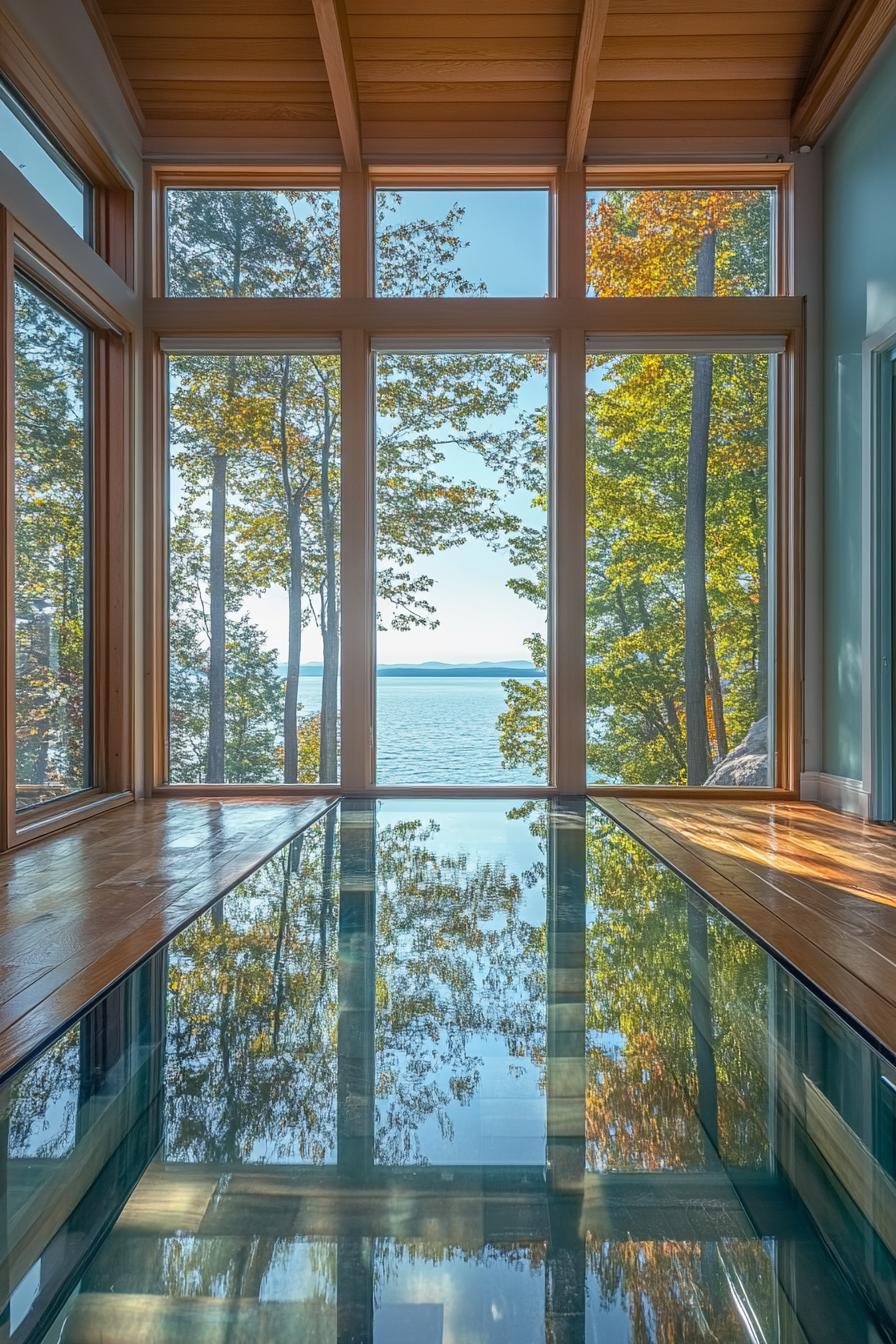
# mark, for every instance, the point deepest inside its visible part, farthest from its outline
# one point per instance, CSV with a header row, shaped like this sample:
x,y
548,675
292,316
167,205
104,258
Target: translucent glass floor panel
x,y
454,1072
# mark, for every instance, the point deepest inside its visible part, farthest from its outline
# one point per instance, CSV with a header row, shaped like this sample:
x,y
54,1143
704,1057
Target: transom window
x,y
47,167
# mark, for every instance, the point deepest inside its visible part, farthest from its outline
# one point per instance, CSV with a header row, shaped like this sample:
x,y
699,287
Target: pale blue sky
x,y
480,619
504,235
40,168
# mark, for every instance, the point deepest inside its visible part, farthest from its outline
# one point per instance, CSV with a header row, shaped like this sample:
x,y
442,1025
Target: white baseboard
x,y
837,792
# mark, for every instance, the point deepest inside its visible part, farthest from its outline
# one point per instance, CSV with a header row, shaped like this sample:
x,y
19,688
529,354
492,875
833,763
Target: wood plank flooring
x,y
818,887
79,909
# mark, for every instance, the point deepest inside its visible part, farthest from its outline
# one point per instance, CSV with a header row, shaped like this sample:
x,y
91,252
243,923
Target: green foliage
x,y
638,432
51,547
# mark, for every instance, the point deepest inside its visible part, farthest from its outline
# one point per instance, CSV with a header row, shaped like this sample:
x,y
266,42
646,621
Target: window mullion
x,y
567,664
567,522
358,597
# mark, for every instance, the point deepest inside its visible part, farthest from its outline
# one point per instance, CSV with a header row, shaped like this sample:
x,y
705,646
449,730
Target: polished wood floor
x,y
79,909
816,886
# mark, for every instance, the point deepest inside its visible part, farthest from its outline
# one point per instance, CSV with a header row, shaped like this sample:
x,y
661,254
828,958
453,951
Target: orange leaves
x,y
644,243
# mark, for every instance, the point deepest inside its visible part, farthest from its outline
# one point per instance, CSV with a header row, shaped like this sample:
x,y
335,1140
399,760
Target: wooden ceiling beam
x,y
584,78
332,29
859,37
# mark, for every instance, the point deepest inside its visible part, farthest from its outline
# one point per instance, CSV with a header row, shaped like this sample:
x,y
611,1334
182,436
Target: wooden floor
x,y
818,887
78,910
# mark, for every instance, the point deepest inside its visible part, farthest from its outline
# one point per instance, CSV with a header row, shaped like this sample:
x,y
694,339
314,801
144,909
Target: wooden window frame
x,y
112,233
212,177
111,529
564,321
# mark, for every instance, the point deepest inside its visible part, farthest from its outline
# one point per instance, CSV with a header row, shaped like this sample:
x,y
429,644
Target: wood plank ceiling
x,y
467,80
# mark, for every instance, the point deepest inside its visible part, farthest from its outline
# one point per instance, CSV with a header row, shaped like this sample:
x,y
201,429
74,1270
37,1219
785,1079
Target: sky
x,y
480,619
41,170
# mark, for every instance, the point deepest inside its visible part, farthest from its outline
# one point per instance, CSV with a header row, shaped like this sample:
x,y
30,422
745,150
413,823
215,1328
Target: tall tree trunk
x,y
329,609
294,497
716,698
762,705
698,759
214,768
294,643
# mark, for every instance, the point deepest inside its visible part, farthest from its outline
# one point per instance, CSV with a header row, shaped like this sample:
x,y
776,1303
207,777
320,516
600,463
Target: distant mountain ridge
x,y
514,667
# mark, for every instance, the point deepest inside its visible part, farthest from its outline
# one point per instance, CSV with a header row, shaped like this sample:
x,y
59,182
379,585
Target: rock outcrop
x,y
746,765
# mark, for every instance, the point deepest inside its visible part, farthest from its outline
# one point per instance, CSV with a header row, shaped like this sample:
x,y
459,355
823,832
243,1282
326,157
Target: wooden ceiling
x,y
465,80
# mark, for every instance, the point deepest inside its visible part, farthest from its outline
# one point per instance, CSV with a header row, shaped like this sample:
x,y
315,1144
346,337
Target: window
x,y
665,241
564,530
251,243
34,152
679,615
253,576
461,525
52,550
449,243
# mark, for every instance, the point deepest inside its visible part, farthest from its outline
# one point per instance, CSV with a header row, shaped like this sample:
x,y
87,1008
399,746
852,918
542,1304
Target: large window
x,y
545,539
253,579
49,170
462,592
52,549
679,612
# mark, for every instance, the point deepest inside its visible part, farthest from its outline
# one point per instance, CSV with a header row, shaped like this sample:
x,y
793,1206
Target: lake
x,y
436,730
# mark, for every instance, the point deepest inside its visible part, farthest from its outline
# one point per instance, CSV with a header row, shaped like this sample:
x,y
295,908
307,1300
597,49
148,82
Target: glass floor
x,y
453,1072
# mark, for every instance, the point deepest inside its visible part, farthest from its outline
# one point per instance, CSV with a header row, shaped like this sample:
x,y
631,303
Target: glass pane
x,y
453,1072
668,242
461,499
460,1034
680,654
256,243
37,157
254,481
51,550
447,243
252,985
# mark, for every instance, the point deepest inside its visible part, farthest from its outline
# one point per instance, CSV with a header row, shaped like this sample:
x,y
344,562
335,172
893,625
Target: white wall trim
x,y
837,792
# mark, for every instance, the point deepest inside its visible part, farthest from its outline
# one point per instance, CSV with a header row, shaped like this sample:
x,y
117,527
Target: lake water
x,y
436,730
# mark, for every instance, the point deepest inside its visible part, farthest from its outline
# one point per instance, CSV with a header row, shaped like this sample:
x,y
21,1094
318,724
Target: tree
x,y
676,506
668,721
51,550
255,449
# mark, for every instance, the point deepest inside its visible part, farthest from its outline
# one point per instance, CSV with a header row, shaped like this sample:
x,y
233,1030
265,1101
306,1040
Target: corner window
x,y
253,567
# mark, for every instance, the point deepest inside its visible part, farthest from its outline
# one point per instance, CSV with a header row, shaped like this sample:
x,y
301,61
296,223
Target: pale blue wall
x,y
859,298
